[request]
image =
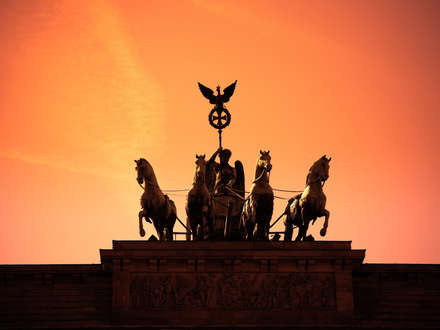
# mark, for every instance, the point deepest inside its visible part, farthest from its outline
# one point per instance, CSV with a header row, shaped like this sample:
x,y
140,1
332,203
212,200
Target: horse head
x,y
264,160
142,169
200,166
319,170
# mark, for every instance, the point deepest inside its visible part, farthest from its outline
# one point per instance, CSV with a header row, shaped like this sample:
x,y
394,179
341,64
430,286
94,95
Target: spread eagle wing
x,y
228,91
208,93
239,180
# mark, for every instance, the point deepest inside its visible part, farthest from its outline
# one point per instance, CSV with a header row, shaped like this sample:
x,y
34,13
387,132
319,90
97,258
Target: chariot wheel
x,y
219,118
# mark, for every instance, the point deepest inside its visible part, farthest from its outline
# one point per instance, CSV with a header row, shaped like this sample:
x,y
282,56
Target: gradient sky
x,y
86,87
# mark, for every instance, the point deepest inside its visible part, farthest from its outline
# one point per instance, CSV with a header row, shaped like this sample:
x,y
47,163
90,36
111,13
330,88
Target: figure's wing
x,y
228,91
239,180
208,93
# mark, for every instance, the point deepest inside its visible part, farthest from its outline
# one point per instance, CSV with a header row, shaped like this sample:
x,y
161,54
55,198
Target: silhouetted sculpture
x,y
310,204
155,205
219,117
218,99
258,207
225,173
226,184
199,203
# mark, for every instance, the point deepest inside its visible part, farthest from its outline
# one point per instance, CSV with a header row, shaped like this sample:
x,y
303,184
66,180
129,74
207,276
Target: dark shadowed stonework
x,y
270,285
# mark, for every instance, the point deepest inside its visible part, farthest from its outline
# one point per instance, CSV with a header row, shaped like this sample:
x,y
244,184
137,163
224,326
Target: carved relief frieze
x,y
232,291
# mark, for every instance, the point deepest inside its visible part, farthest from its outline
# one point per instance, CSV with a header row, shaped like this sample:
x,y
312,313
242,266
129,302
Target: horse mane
x,y
153,175
203,177
313,168
316,164
260,173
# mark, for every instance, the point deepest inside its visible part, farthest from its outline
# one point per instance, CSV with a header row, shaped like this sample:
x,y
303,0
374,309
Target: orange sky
x,y
89,86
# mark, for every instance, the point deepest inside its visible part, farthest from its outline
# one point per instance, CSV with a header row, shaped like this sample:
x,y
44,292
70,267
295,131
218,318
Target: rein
x,y
236,194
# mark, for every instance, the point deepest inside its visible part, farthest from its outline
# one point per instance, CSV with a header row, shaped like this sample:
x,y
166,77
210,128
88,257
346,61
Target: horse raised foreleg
x,y
326,214
142,214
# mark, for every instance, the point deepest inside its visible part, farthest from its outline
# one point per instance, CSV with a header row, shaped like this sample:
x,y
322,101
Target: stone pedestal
x,y
232,283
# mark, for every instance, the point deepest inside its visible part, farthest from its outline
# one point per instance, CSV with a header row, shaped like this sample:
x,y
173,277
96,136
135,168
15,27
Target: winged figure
x,y
218,99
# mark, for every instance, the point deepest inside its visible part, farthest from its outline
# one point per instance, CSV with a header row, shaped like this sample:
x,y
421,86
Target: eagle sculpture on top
x,y
218,99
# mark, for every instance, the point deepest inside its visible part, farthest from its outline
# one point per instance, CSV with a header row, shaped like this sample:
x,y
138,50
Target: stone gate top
x,y
232,283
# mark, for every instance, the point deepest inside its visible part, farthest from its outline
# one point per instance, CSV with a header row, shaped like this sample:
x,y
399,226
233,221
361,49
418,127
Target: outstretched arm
x,y
214,155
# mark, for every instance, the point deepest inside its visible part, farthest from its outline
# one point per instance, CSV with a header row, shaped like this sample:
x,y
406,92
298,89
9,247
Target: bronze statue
x,y
310,204
155,205
225,173
219,117
218,99
258,207
199,203
226,184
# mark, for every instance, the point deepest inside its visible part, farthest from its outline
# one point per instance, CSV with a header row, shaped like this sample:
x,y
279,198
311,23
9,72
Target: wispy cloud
x,y
94,103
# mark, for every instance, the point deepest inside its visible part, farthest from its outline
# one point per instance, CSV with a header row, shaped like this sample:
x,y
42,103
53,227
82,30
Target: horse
x,y
199,203
155,205
258,206
309,205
